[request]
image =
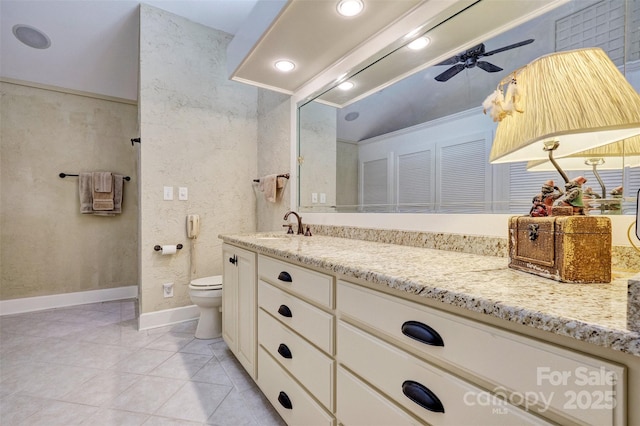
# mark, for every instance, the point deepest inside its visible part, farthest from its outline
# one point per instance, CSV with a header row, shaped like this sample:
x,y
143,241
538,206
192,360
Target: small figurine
x,y
588,197
588,193
573,195
543,201
616,192
538,209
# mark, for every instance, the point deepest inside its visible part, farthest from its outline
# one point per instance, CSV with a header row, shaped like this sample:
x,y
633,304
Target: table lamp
x,y
615,156
558,105
570,101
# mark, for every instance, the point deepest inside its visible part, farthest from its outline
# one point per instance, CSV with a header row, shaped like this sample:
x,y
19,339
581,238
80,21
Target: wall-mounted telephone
x,y
193,225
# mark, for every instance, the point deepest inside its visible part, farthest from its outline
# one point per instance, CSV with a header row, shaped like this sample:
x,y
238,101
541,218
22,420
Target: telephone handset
x,y
193,225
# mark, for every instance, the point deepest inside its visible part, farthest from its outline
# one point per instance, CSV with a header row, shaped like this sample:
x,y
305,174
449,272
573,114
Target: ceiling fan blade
x,y
450,72
488,67
451,61
511,46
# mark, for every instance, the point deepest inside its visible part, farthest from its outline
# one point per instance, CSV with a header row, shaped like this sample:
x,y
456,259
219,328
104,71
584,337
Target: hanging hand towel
x,y
268,185
86,193
118,186
102,199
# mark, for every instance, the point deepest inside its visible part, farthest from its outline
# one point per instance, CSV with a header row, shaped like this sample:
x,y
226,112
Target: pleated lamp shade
x,y
613,156
578,98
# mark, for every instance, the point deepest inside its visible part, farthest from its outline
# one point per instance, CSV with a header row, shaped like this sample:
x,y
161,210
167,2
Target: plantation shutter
x,y
414,186
374,185
463,177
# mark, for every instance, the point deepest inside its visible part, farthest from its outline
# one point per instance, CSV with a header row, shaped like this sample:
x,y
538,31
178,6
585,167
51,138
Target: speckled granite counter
x,y
594,313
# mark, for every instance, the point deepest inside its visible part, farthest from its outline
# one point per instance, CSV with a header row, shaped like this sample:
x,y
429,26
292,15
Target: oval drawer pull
x,y
422,396
284,400
422,333
285,311
285,351
285,276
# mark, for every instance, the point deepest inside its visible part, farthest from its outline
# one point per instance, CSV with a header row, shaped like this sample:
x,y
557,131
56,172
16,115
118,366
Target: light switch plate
x,y
314,197
168,193
323,198
183,193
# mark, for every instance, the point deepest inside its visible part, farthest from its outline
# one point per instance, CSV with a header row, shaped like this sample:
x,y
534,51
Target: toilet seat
x,y
207,283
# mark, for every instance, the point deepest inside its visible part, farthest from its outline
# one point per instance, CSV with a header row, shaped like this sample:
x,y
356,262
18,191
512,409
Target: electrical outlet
x,y
323,198
183,193
168,289
314,197
168,193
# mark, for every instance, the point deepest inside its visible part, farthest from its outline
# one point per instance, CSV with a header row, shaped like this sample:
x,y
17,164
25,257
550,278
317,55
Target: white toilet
x,y
206,293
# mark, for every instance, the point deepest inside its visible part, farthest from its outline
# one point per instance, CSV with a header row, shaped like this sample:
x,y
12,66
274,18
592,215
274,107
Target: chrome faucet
x,y
286,217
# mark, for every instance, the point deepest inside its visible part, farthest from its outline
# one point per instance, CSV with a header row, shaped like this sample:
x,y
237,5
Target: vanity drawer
x,y
512,363
309,284
430,393
302,360
290,400
360,405
312,323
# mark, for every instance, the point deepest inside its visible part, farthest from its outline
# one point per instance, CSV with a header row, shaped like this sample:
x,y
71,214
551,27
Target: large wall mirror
x,y
422,143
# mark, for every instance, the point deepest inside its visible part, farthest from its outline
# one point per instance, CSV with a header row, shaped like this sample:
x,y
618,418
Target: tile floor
x,y
89,365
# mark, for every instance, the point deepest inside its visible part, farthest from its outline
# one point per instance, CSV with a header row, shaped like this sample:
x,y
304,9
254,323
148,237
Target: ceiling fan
x,y
469,59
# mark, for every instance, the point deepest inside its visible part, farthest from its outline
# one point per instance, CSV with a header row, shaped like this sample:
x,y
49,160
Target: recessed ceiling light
x,y
32,37
350,7
284,65
419,43
347,85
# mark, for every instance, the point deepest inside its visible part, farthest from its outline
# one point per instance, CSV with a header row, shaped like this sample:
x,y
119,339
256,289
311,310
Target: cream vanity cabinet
x,y
331,352
239,305
425,351
296,367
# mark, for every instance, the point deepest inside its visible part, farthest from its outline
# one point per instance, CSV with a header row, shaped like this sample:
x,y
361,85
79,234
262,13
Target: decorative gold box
x,y
574,249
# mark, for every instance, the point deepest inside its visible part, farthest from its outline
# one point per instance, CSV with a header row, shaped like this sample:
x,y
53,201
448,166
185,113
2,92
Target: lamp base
x,y
573,249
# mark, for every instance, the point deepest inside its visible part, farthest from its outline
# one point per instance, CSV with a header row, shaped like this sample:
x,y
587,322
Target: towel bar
x,y
64,175
286,176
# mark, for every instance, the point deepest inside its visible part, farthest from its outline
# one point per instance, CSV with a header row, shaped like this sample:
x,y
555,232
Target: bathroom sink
x,y
280,237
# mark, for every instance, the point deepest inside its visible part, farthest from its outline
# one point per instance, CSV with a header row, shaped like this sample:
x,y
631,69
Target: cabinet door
x,y
229,298
239,305
247,310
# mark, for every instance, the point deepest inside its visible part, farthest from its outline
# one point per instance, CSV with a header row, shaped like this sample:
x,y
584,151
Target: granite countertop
x,y
594,313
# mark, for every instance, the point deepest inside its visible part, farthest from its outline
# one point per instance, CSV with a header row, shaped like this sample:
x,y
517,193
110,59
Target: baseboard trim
x,y
39,303
168,317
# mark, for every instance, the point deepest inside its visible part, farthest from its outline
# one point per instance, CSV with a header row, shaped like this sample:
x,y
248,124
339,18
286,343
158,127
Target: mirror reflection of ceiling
x,y
420,98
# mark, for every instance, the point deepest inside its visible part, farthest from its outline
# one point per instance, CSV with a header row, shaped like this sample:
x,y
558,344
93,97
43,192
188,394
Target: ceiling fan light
x,y
284,65
350,8
419,43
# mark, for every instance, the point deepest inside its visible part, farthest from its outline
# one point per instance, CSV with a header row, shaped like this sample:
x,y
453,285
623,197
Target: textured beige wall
x,y
46,245
274,155
198,130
